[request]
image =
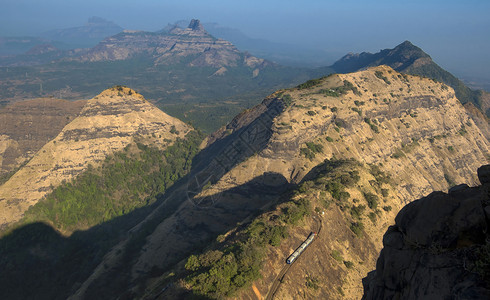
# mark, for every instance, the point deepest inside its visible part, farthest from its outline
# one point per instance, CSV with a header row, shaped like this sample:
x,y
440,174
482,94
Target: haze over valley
x,y
218,150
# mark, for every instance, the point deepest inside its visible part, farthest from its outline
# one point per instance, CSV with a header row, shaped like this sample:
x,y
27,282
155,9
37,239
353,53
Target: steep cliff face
x,y
438,248
26,126
410,128
107,123
480,119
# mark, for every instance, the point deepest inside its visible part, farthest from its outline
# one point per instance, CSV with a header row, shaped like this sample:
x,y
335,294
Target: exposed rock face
x,y
436,249
481,120
107,123
196,26
402,125
26,126
410,127
485,102
170,47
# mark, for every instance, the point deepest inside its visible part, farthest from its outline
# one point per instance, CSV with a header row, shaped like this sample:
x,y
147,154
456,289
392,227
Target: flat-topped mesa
x,y
173,47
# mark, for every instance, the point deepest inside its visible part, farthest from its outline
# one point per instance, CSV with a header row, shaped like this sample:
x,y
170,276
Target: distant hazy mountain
x,y
19,44
282,53
178,68
88,35
193,44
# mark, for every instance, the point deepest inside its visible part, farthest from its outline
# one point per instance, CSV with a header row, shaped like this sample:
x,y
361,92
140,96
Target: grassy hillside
x,y
432,70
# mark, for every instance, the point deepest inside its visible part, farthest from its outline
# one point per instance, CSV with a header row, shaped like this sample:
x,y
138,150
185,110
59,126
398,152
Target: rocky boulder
x,y
437,249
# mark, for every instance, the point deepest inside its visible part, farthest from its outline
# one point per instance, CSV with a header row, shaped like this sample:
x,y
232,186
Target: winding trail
x,y
280,277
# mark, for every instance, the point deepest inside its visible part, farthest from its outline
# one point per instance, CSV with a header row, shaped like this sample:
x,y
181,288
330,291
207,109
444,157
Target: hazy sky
x,y
456,33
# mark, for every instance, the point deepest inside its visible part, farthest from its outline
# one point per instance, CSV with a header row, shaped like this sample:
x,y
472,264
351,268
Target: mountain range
x,y
112,198
281,53
191,74
339,155
86,36
187,72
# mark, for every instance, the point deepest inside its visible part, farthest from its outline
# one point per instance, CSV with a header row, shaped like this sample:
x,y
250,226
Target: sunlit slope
x,y
412,129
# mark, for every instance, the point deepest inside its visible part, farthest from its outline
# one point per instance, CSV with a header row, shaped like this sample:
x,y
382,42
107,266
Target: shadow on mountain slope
x,y
192,229
38,262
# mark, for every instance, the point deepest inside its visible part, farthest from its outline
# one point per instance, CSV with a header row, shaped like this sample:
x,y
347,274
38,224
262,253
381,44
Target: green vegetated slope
x,y
38,262
229,266
127,180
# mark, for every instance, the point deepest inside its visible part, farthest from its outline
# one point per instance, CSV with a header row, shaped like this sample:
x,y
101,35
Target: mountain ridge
x,y
264,151
168,47
355,147
410,59
84,36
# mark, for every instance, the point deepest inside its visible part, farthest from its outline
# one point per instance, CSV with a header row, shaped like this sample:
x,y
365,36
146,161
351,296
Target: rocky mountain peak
x,y
194,28
407,44
170,47
196,25
408,50
400,58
